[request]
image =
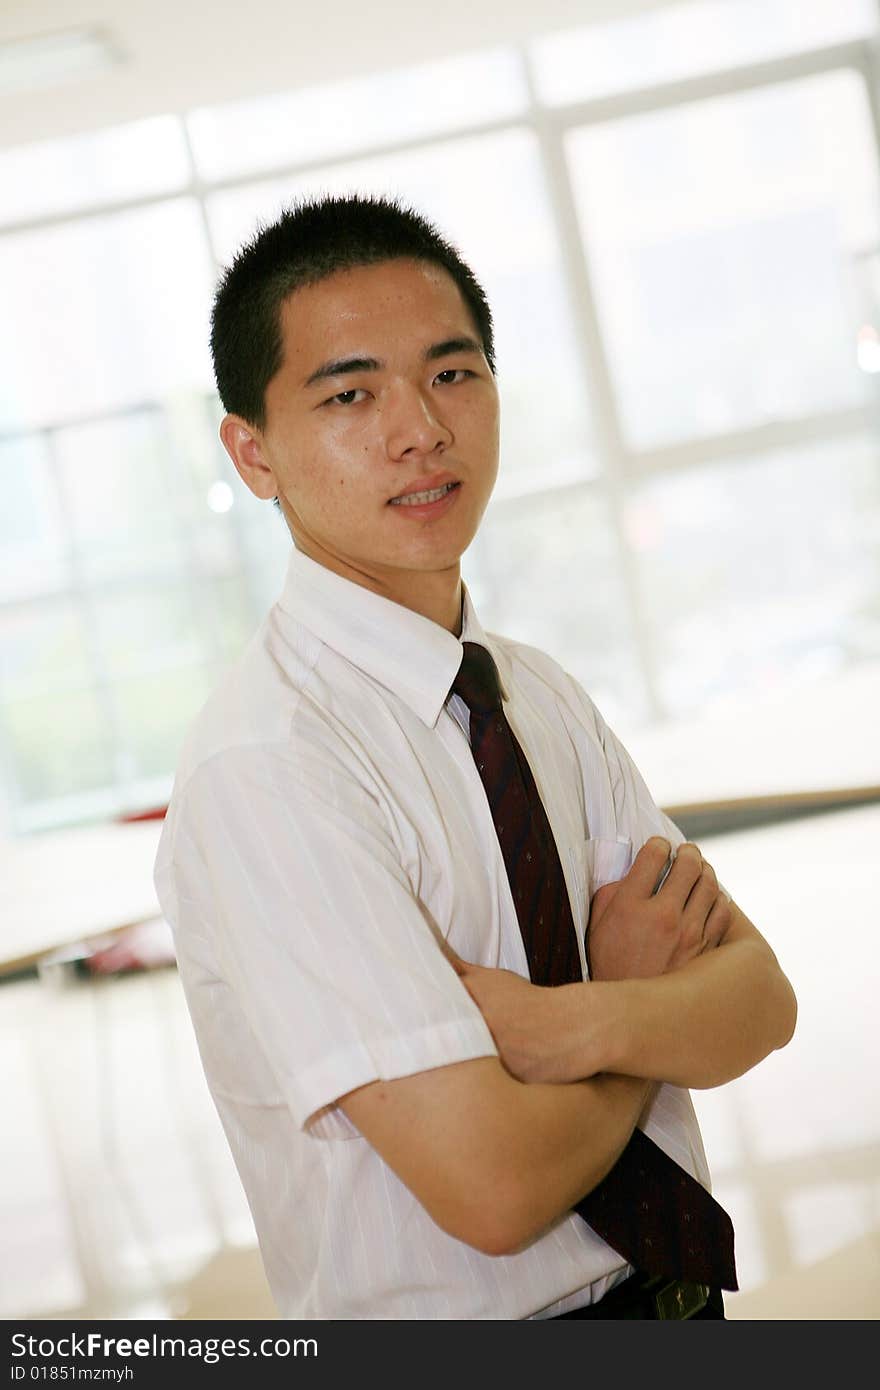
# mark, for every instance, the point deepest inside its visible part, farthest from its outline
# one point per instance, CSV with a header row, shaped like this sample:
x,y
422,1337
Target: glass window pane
x,y
338,118
205,486
760,573
209,536
140,628
723,238
266,542
104,313
237,613
32,540
153,713
57,748
104,166
119,496
476,191
43,647
547,572
683,40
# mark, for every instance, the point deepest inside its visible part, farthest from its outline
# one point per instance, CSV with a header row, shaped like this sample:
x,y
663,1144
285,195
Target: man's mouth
x,y
413,498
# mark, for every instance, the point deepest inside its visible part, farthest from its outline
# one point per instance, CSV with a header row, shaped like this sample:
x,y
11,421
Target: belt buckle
x,y
676,1299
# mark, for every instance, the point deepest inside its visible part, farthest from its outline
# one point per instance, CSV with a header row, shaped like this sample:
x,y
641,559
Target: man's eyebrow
x,y
451,345
341,365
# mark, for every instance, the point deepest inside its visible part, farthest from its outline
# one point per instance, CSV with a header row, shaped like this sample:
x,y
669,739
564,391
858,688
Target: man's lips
x,y
429,484
423,502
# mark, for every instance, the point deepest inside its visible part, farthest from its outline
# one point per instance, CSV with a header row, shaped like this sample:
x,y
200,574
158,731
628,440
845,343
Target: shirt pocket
x,y
599,861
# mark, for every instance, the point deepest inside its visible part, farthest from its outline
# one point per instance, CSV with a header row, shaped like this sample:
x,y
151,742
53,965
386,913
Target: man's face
x,y
383,390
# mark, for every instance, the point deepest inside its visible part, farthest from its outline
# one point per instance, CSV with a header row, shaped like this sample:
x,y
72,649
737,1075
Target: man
x,y
387,1076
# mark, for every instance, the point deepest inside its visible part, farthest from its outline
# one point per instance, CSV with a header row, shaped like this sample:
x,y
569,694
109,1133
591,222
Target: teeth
x,y
415,497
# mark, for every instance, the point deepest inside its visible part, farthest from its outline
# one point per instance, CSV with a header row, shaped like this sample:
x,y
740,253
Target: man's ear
x,y
244,445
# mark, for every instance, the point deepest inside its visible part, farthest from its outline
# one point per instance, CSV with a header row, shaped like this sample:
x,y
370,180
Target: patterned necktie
x,y
659,1218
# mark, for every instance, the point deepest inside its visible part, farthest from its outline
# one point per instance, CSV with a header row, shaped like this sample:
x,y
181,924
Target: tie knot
x,y
477,680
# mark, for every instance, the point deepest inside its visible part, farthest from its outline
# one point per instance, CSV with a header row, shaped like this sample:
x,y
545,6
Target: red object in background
x,y
142,947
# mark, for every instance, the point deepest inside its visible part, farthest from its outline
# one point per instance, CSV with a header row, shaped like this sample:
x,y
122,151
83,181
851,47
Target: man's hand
x,y
534,1026
637,932
551,1034
662,1003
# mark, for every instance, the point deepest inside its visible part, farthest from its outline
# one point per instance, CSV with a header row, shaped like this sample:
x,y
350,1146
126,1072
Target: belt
x,y
644,1296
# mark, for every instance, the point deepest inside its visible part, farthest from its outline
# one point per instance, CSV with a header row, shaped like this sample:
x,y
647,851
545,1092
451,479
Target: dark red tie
x,y
659,1218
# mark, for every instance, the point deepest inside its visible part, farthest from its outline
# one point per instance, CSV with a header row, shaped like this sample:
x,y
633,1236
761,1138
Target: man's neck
x,y
436,595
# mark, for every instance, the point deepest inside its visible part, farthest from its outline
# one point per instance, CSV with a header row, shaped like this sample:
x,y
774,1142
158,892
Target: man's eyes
x,y
451,376
447,377
346,397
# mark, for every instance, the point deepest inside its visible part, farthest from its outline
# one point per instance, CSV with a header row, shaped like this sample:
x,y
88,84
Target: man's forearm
x,y
493,1161
698,1026
567,1148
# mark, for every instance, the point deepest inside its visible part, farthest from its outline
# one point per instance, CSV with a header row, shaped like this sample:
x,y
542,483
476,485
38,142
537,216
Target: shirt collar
x,y
410,655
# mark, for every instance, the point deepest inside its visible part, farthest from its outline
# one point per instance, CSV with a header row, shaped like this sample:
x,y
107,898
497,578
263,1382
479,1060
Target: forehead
x,y
373,310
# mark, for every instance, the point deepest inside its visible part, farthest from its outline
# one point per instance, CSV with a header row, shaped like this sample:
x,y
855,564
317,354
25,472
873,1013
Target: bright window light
x,y
220,497
49,58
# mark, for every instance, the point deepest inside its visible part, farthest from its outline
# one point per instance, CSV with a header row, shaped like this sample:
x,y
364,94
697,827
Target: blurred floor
x,y
794,1145
120,1199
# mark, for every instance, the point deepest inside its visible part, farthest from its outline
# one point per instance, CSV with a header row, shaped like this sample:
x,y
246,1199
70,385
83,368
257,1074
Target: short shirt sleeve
x,y
286,867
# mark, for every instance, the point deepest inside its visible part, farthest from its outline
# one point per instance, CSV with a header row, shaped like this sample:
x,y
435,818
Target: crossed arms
x,y
684,989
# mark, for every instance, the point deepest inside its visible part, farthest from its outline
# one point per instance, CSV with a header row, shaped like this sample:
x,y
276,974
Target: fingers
x,y
657,868
700,903
706,916
648,866
717,922
684,874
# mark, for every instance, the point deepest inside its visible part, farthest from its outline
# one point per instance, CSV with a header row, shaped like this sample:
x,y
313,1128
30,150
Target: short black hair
x,y
311,240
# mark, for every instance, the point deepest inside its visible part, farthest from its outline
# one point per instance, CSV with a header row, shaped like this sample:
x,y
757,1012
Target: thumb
x,y
602,898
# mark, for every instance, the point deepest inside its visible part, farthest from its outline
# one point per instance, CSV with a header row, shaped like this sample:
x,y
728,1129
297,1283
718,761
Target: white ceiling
x,y
185,53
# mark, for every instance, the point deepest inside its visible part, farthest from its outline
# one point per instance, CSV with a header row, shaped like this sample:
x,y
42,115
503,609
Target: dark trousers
x,y
635,1299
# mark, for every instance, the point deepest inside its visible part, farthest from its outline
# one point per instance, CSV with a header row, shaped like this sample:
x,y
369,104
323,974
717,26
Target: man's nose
x,y
413,424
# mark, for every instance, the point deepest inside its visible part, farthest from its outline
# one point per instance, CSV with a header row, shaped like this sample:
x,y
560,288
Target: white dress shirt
x,y
327,825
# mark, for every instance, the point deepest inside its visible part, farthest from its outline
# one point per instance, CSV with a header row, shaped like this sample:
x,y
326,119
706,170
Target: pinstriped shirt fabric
x,y
327,826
